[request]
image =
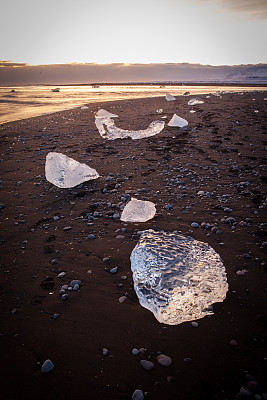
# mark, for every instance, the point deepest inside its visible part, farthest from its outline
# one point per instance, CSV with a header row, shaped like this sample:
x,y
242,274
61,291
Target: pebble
x,y
135,352
233,343
54,261
169,207
65,297
194,324
164,360
56,316
122,299
91,236
105,352
227,210
75,282
113,270
253,386
244,391
61,274
194,225
138,395
47,366
147,365
76,287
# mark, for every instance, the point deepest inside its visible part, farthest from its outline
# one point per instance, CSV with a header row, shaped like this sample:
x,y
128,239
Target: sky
x,y
209,32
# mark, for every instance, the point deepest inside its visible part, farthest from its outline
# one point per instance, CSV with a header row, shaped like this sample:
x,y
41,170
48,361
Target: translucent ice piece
x,y
178,121
177,277
112,132
138,211
194,101
65,172
105,114
170,97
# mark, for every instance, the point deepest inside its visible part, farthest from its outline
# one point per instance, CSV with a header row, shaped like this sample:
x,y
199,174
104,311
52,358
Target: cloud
x,y
252,8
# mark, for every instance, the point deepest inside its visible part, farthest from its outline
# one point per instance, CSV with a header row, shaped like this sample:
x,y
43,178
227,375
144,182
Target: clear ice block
x,y
65,172
177,277
138,211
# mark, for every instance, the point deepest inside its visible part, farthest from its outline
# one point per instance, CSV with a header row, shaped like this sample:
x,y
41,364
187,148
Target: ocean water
x,y
21,102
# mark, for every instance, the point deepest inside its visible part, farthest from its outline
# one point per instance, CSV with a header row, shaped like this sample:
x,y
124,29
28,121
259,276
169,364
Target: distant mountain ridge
x,y
60,74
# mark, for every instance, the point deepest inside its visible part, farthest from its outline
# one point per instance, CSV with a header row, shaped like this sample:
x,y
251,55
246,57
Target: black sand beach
x,y
44,231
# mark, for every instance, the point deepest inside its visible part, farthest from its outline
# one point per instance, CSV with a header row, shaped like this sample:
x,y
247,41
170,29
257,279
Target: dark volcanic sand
x,y
222,152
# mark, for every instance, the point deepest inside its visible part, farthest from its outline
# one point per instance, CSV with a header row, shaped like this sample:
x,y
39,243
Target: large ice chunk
x,y
178,121
105,114
65,172
111,132
170,97
138,211
194,101
177,277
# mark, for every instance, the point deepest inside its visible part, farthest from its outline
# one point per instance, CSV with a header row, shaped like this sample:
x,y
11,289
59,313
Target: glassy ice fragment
x,y
138,211
111,132
170,97
194,101
177,277
178,121
104,114
65,172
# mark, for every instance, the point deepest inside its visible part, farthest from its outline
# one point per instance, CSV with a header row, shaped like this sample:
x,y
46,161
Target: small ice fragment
x,y
105,352
177,277
194,101
177,121
104,114
170,97
138,211
159,111
111,132
65,172
84,107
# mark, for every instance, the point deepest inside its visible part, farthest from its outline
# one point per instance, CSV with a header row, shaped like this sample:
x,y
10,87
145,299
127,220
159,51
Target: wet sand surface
x,y
213,172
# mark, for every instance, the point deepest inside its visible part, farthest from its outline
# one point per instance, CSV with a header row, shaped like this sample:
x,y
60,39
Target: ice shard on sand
x,y
138,211
178,121
65,172
177,277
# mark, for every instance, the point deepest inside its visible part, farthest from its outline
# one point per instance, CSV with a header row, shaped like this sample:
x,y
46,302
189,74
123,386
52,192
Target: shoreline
x,y
223,154
33,113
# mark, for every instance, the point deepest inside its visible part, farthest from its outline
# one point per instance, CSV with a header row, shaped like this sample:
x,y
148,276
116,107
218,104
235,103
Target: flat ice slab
x,y
105,114
65,172
177,277
170,97
178,121
108,129
138,211
195,101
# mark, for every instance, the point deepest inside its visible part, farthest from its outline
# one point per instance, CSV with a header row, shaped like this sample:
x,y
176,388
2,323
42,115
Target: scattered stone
x,y
105,352
56,316
138,395
75,282
147,365
164,360
91,236
194,324
47,366
61,274
135,352
233,343
113,270
194,225
65,297
122,299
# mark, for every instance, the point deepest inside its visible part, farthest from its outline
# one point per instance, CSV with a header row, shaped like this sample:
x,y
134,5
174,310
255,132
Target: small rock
x,y
147,365
91,236
47,366
122,299
75,282
56,316
194,225
61,274
164,360
244,391
65,297
233,343
76,287
135,352
113,270
194,324
138,395
253,386
105,352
